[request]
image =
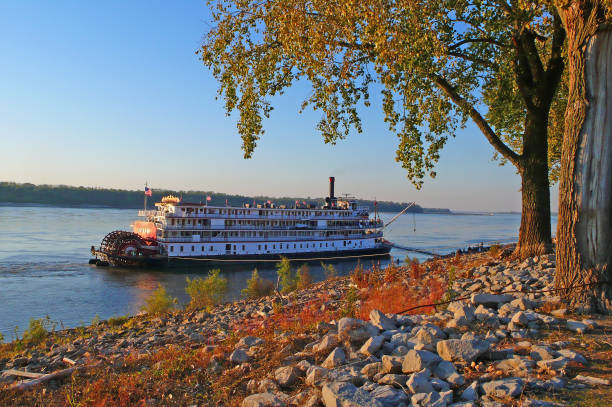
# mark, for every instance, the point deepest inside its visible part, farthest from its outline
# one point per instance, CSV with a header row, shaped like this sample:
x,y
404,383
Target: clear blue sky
x,y
111,94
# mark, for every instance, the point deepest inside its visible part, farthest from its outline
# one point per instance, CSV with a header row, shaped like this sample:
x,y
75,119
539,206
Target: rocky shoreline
x,y
491,349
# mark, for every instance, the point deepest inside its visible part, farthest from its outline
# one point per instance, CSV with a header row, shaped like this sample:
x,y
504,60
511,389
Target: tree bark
x,y
584,230
534,233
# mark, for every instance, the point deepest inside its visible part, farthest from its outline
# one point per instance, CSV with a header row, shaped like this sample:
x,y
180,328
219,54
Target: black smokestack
x,y
331,187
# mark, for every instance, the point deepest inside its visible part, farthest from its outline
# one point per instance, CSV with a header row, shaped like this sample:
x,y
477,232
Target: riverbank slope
x,y
474,329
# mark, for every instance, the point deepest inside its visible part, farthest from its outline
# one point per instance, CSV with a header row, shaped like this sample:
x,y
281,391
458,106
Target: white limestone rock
x,y
510,387
343,394
336,358
381,321
463,351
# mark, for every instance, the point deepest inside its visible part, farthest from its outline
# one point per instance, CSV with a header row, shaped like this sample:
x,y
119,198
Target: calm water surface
x,y
44,253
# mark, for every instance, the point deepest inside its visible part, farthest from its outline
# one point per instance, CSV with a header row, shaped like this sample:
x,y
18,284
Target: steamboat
x,y
177,231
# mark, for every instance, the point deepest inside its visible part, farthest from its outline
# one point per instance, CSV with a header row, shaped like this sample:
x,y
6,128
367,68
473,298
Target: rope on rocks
x,y
435,304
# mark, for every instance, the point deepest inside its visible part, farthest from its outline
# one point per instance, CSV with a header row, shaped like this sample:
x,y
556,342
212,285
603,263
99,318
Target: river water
x,y
44,253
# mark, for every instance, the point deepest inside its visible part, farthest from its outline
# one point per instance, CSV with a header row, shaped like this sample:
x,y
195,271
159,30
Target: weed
x,y
495,250
350,302
415,269
287,279
330,270
450,293
72,394
277,307
303,276
392,274
159,302
38,330
117,321
1,337
257,287
208,292
361,277
410,261
95,320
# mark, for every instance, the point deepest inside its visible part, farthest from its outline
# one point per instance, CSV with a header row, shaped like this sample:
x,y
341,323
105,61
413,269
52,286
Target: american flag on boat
x,y
148,192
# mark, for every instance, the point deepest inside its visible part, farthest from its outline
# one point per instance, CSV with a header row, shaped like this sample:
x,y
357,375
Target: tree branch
x,y
474,59
556,63
470,40
527,39
524,80
482,124
558,39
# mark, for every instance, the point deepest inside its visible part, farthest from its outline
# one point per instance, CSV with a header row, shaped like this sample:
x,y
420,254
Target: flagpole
x,y
145,195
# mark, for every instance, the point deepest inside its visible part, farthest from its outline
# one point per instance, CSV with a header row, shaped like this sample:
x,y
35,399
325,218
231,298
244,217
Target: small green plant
x,y
450,294
277,307
330,270
159,302
495,250
95,320
303,276
350,302
411,260
38,330
72,395
208,292
257,287
118,320
287,278
1,337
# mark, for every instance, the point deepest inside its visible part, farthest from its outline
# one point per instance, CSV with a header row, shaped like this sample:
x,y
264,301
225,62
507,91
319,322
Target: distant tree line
x,y
64,195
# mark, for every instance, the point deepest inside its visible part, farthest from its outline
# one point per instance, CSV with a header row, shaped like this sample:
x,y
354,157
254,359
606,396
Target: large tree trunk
x,y
534,233
584,230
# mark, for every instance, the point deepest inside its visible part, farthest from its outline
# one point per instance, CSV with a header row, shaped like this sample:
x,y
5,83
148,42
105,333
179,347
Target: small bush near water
x,y
495,250
117,321
287,278
257,287
208,292
38,330
159,302
330,270
303,276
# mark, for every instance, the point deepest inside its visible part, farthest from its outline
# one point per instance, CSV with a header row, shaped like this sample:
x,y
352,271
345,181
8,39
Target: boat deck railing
x,y
262,239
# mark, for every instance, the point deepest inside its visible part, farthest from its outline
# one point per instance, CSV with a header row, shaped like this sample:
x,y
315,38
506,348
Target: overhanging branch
x,y
482,124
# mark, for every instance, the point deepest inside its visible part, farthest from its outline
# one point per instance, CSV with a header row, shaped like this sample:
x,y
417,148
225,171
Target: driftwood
x,y
51,376
15,372
45,378
69,361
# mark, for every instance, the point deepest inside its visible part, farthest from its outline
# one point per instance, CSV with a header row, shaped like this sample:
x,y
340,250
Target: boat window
x,y
258,247
242,247
181,248
211,248
192,248
171,248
